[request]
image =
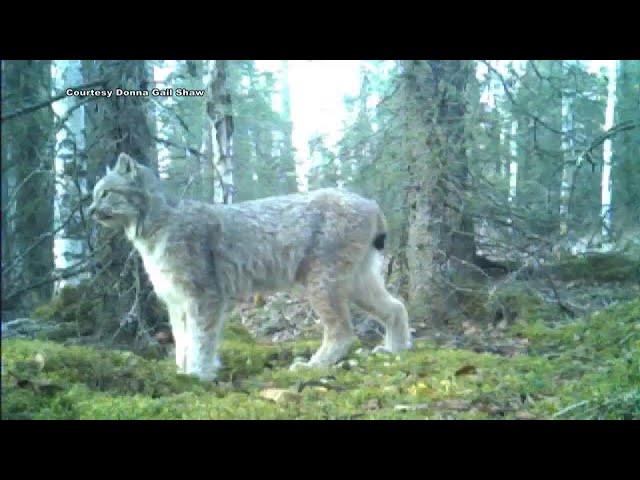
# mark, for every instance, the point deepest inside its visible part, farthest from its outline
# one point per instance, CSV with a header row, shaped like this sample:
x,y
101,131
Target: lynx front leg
x,y
178,319
204,321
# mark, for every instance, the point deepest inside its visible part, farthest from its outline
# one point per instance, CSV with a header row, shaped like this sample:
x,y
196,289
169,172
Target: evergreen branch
x,y
183,124
169,143
16,190
507,91
49,101
612,132
16,260
193,151
60,121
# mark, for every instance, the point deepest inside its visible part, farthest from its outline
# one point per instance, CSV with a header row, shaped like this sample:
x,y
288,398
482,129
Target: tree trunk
x,y
513,163
626,150
262,138
7,172
287,165
115,125
29,154
220,116
607,149
441,242
568,161
71,183
118,124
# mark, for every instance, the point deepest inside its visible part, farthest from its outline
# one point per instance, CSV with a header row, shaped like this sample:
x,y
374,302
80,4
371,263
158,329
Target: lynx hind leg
x,y
329,299
370,294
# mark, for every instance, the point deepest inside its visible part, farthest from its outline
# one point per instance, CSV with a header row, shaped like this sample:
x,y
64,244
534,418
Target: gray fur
x,y
201,257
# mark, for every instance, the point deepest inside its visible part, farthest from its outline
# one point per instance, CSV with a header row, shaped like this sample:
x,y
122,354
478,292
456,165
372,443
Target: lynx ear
x,y
126,165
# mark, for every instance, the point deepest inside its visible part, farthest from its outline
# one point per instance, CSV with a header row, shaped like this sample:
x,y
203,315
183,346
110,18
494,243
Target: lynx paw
x,y
206,373
299,365
384,348
312,363
381,349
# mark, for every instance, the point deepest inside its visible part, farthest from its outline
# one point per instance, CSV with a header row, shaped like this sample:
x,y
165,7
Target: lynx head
x,y
123,195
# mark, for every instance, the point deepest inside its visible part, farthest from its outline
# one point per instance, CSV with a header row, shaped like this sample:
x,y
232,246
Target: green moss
x,y
514,301
72,306
605,330
235,331
597,361
589,368
602,267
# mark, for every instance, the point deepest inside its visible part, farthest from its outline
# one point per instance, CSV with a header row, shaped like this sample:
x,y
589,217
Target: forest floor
x,y
543,366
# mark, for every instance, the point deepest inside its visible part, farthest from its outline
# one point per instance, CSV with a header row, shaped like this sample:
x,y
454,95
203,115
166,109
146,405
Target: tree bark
x,y
71,182
607,149
112,126
287,164
568,161
220,116
29,153
626,149
441,241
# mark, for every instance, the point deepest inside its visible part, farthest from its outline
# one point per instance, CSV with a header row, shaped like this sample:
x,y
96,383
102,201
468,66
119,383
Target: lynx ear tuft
x,y
126,165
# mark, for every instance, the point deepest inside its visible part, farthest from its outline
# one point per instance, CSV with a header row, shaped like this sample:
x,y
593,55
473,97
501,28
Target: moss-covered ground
x,y
585,368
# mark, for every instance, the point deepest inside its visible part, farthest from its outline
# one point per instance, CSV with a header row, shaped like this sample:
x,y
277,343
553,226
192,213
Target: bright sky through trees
x,y
317,90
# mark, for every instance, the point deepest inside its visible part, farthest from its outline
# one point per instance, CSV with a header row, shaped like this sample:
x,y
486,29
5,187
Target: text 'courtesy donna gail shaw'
x,y
121,92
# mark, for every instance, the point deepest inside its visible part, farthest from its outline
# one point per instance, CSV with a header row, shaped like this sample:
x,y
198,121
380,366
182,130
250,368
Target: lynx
x,y
202,257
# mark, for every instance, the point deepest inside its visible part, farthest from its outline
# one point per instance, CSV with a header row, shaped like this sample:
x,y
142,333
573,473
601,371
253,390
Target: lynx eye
x,y
104,194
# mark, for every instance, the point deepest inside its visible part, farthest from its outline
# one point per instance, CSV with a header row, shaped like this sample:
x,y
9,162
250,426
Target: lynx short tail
x,y
381,235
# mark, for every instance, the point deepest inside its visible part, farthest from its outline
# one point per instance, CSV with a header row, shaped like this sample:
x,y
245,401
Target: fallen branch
x,y
563,305
569,408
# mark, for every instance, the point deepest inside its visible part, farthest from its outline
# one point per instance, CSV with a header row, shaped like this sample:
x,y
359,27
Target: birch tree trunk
x,y
513,163
211,181
606,213
71,182
221,121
